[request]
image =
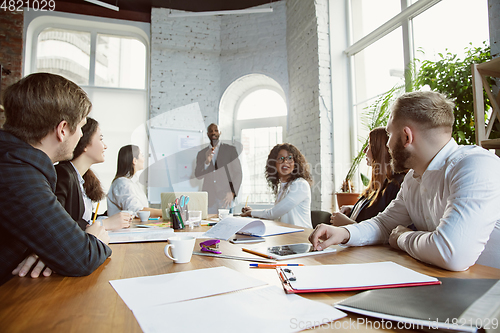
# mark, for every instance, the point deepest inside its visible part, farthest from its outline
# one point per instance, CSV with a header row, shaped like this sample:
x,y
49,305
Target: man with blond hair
x,y
45,113
451,193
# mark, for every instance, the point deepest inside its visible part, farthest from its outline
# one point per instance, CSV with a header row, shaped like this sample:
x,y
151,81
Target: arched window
x,y
254,110
119,62
109,60
255,114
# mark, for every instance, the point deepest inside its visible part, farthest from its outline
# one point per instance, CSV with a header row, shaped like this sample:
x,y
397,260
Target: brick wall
x,y
195,59
185,69
310,127
254,43
11,46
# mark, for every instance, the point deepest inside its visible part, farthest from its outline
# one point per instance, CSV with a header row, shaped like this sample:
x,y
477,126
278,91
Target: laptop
x,y
197,201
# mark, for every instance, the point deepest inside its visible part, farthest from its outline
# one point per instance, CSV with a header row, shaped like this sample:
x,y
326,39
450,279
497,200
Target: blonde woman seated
x,y
383,187
77,186
287,173
125,192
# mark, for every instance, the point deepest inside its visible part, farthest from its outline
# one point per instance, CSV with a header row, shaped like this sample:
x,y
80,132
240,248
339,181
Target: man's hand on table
x,y
29,262
325,235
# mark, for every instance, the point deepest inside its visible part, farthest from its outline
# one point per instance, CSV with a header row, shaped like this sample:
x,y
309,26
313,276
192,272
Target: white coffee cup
x,y
181,248
223,213
144,215
195,218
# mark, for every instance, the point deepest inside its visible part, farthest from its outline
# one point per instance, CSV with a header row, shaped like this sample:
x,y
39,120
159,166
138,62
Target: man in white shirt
x,y
451,193
220,168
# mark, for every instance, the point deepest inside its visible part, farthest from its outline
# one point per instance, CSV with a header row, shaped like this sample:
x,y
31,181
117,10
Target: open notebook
x,y
246,226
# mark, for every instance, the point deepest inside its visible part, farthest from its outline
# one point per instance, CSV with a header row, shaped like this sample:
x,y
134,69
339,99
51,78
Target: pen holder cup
x,y
176,223
181,248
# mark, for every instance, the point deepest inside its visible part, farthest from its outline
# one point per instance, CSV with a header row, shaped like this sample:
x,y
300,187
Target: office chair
x,y
319,216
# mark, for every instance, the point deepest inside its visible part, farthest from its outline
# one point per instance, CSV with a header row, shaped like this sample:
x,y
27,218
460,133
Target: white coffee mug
x,y
223,213
144,215
181,248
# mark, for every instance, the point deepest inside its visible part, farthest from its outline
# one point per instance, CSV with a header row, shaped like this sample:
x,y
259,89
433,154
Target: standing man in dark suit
x,y
219,167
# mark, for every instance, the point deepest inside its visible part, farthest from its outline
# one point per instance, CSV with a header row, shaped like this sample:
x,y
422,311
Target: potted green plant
x,y
452,76
375,115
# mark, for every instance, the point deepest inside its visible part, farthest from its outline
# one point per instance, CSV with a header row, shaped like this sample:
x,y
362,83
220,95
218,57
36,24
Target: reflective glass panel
x,y
64,52
120,62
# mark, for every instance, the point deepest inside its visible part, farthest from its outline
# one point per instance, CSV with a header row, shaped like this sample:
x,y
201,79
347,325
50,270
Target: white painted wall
x,y
194,60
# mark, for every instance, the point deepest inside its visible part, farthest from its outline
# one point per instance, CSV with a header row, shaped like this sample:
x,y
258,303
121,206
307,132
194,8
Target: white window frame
x,y
90,24
403,19
240,125
36,22
259,122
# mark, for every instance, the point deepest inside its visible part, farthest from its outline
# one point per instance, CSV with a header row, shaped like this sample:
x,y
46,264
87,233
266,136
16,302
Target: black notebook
x,y
464,305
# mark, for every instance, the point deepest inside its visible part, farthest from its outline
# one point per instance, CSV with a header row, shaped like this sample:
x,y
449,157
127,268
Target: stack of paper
x,y
220,299
133,235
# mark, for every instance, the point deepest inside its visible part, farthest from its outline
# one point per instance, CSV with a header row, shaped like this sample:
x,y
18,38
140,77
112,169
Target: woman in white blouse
x,y
287,173
125,192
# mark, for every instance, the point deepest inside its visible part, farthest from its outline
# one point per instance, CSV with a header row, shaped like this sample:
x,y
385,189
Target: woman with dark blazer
x,y
69,192
383,187
77,185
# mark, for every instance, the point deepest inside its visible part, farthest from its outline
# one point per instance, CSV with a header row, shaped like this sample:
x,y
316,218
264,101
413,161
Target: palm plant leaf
x,y
375,115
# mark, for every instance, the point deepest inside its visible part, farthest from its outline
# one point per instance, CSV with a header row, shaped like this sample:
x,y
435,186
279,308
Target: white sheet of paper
x,y
266,309
150,291
272,230
354,275
194,234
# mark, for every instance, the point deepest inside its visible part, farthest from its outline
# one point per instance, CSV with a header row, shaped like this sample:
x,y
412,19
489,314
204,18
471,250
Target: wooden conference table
x,y
90,304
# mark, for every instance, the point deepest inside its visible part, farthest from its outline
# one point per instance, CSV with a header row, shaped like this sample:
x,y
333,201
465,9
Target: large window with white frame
x,y
388,35
109,60
119,62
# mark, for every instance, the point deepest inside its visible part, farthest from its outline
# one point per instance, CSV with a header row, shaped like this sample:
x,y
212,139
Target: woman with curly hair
x,y
383,187
287,173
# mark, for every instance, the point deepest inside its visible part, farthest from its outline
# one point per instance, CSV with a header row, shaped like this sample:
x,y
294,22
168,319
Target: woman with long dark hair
x,y
383,187
125,192
78,186
288,176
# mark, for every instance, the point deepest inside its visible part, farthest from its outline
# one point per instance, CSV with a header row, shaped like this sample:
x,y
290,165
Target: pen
x,y
154,218
210,224
246,203
257,253
273,265
95,215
